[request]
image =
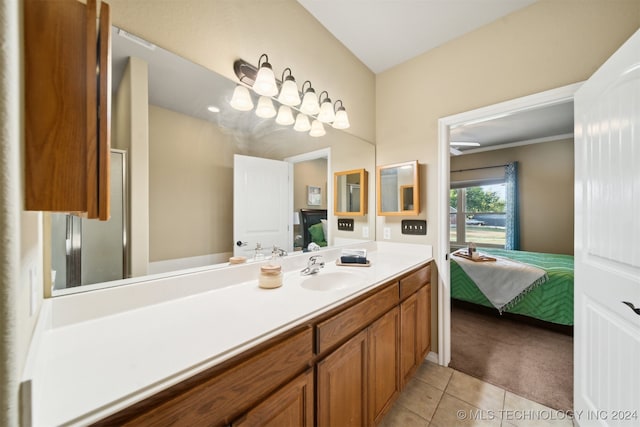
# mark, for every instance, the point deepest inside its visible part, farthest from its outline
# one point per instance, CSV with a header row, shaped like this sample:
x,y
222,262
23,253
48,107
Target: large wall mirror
x,y
397,187
350,192
173,121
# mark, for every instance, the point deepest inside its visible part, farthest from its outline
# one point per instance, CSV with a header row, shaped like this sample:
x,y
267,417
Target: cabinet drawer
x,y
342,325
415,281
218,400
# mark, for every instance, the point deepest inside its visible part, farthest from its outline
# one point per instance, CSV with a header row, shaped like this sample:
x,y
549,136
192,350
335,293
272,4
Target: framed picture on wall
x,y
313,196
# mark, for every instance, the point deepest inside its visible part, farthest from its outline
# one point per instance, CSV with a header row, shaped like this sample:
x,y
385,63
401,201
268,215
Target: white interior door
x,y
607,250
262,205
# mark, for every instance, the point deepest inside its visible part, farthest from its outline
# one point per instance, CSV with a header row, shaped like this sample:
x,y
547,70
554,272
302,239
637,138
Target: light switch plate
x,y
414,226
345,224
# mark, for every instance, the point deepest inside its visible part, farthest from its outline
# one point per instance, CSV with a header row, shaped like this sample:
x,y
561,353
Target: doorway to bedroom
x,y
529,352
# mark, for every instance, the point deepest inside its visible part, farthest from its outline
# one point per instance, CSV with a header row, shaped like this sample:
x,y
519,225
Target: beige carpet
x,y
527,360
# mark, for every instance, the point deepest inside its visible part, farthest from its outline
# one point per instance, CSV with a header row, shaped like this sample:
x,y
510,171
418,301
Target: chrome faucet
x,y
314,265
278,252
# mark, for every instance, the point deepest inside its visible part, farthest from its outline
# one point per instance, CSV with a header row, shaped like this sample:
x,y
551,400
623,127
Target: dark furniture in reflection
x,y
310,217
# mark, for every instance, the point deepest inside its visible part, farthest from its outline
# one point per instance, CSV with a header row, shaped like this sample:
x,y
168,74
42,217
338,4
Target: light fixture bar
x,y
312,108
464,144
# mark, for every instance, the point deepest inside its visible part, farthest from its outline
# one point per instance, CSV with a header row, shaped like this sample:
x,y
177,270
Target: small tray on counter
x,y
352,264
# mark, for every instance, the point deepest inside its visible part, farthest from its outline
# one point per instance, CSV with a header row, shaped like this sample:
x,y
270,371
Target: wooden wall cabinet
x,y
350,193
67,103
398,189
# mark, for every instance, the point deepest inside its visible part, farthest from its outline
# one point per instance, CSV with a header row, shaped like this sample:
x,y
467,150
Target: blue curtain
x,y
513,211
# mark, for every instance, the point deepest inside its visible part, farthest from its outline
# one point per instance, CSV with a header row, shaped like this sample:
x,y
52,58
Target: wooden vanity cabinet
x,y
67,106
223,394
358,382
343,368
291,406
415,321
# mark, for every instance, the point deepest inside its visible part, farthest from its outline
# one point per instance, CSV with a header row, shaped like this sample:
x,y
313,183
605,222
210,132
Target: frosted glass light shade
x,y
241,99
285,117
310,104
265,83
326,114
342,120
317,129
265,108
302,123
289,93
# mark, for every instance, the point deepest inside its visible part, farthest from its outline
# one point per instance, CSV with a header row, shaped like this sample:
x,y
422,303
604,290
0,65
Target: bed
x,y
312,229
551,301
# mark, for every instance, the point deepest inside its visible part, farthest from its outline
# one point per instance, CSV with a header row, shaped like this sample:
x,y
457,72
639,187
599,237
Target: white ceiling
x,y
385,33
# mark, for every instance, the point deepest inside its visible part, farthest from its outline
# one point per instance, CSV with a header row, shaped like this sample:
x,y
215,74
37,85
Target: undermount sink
x,y
332,281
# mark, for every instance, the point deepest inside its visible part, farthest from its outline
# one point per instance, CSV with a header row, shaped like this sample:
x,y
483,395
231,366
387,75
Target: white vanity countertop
x,y
82,370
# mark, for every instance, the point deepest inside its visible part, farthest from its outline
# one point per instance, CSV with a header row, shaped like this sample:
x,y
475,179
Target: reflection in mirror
x,y
397,187
173,120
350,192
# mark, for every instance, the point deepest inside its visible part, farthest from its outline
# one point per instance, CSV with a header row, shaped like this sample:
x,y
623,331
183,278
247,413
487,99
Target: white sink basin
x,y
332,281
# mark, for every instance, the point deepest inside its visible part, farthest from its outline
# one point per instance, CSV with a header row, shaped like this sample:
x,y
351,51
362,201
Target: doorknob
x,y
240,243
632,307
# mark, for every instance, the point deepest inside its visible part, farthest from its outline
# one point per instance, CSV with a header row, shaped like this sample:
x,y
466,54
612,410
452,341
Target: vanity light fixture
x,y
312,111
289,92
265,108
326,114
285,116
342,120
310,103
241,99
302,123
265,83
317,129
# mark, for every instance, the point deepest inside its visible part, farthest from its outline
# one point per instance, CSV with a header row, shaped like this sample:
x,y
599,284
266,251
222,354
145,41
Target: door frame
x,y
323,153
542,99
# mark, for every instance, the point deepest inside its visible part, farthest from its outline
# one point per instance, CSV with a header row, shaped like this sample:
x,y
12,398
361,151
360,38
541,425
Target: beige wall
x,y
545,182
216,33
547,45
310,172
190,186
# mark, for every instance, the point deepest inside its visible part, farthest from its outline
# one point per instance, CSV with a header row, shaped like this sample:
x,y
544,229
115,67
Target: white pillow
x,y
324,227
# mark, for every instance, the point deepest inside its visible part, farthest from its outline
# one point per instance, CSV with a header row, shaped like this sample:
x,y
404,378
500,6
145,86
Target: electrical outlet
x,y
365,231
386,233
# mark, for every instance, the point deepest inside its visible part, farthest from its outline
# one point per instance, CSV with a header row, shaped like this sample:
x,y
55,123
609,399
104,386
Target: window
x,y
478,213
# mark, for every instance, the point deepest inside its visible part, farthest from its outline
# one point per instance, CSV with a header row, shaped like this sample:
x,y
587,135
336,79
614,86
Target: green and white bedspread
x,y
551,301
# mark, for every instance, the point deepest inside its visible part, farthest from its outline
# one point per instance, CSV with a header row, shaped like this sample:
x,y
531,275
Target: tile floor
x,y
442,397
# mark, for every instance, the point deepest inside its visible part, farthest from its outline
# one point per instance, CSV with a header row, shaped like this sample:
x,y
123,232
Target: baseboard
x,y
432,357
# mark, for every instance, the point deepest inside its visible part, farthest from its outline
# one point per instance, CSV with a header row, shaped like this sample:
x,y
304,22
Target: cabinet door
x,y
291,406
383,364
424,321
65,157
408,338
342,385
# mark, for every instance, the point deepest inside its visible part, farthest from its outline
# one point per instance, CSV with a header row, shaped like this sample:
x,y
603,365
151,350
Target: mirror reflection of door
x,y
261,206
